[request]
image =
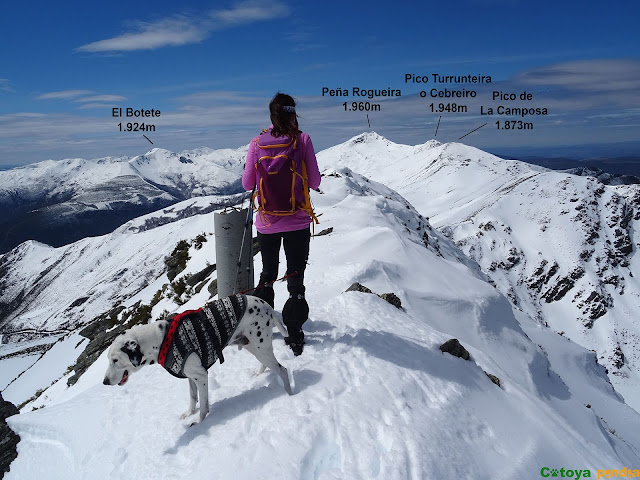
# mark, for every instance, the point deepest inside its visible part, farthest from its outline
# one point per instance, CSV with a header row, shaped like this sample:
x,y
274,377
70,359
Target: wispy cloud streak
x,y
63,95
5,86
184,30
171,32
612,75
102,98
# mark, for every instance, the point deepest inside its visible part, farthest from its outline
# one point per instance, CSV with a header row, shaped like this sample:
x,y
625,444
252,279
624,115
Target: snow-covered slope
x,y
561,247
47,289
58,202
375,397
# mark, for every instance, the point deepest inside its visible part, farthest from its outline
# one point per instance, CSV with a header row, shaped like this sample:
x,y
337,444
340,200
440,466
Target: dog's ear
x,y
132,349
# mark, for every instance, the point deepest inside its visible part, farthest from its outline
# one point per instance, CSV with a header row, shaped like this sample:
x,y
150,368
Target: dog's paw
x,y
187,414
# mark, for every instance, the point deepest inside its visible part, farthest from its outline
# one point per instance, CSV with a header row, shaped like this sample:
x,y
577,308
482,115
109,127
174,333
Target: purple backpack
x,y
276,175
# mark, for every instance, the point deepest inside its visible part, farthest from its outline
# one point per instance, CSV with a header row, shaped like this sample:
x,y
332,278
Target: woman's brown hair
x,y
283,116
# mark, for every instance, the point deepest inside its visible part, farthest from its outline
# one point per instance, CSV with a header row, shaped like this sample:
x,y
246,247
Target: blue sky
x,y
212,67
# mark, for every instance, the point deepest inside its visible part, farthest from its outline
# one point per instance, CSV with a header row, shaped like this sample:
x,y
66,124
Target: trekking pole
x,y
247,224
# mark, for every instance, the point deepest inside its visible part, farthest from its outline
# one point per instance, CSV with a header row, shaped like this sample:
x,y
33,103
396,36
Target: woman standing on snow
x,y
282,165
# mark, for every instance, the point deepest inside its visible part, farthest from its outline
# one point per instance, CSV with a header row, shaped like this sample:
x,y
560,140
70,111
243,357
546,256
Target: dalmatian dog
x,y
189,343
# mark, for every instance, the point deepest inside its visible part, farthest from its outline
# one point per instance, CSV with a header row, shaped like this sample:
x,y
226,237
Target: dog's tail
x,y
280,325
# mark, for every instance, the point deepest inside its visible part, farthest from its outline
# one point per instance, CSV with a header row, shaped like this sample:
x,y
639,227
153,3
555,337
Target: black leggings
x,y
296,249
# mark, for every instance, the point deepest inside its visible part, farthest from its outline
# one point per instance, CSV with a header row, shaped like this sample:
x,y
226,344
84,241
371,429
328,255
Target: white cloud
x,y
63,95
102,98
95,106
172,32
612,75
5,86
183,30
251,11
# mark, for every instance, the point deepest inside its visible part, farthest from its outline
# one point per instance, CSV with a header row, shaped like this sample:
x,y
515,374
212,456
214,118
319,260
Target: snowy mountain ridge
x,y
561,247
375,397
158,166
59,202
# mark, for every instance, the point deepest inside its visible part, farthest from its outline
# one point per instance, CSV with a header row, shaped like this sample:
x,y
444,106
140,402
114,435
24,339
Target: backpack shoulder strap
x,y
307,206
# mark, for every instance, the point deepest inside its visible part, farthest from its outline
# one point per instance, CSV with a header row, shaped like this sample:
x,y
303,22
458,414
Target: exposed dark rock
x,y
563,285
454,347
623,242
326,231
585,255
617,358
486,226
512,260
595,306
357,287
577,273
77,302
199,241
616,281
8,438
392,298
593,236
511,294
627,216
493,378
539,278
201,275
213,287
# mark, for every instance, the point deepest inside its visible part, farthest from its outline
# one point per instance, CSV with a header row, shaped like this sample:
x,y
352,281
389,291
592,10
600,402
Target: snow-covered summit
x,y
560,246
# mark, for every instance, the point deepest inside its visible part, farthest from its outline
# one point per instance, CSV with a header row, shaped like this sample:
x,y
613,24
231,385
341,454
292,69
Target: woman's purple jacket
x,y
266,223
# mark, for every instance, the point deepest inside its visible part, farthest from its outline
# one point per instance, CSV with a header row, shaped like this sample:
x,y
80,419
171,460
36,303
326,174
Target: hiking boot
x,y
296,342
295,312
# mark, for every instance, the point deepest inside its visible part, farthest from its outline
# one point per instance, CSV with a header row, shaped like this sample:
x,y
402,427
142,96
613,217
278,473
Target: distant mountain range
x,y
59,202
617,167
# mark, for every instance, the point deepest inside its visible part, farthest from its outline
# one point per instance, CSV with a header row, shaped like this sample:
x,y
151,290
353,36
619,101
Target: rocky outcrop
x,y
454,348
563,285
8,438
391,297
358,287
